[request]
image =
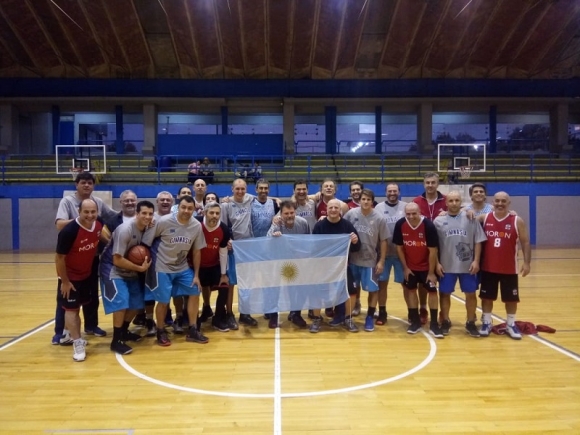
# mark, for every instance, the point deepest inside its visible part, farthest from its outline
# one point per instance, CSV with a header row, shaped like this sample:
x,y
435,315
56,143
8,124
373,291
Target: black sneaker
x,y
246,319
382,318
220,326
121,348
139,319
316,324
206,313
414,328
329,312
178,325
196,336
311,315
168,317
151,328
162,338
298,320
435,331
131,336
231,321
471,329
273,321
445,327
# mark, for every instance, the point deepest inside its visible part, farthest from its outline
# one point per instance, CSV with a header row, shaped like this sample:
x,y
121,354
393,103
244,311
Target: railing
x,y
313,168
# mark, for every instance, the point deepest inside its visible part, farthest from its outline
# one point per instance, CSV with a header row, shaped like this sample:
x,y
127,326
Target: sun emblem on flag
x,y
289,271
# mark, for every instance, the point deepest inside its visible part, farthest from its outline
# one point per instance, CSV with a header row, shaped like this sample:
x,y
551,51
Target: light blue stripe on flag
x,y
291,272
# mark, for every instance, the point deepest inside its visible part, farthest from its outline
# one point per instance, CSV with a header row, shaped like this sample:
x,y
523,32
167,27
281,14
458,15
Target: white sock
x,y
486,318
511,319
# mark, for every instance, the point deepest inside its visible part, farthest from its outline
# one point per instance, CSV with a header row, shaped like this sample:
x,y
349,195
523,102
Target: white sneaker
x,y
485,329
66,339
79,353
513,332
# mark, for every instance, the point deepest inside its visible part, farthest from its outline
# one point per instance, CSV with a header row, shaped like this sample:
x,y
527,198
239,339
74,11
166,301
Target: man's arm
x,y
526,246
122,263
432,265
66,286
61,223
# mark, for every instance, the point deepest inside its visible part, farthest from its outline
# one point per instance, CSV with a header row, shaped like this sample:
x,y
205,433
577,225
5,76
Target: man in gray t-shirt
x,y
288,223
460,240
68,210
392,210
177,234
373,234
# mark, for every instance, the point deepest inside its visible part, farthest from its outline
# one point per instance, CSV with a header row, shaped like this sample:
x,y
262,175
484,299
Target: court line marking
x,y
430,356
277,384
26,335
564,351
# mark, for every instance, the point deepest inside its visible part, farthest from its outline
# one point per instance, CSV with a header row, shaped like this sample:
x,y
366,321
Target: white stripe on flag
x,y
290,272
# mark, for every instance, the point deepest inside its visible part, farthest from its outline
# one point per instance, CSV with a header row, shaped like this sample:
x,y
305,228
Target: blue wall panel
x,y
200,145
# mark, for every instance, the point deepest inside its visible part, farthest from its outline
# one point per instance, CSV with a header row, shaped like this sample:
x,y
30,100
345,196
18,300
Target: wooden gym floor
x,y
288,381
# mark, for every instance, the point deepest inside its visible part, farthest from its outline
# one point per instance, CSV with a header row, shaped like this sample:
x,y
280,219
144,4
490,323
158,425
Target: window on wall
x,y
355,134
175,123
310,138
523,134
574,136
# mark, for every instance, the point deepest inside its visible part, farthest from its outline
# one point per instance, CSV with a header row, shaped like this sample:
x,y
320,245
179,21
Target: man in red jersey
x,y
431,203
500,262
214,261
416,241
75,250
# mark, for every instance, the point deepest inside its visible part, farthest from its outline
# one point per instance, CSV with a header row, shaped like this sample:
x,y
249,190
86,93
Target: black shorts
x,y
419,277
351,284
507,282
81,296
210,276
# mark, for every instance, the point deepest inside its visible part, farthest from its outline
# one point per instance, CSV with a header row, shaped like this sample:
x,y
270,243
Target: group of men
x,y
430,240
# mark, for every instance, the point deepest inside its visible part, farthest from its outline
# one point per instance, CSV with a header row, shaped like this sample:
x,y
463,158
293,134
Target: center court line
x,y
542,340
277,385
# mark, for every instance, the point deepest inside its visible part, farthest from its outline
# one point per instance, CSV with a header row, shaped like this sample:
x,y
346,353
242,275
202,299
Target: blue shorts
x,y
232,276
173,284
467,282
395,264
364,276
122,294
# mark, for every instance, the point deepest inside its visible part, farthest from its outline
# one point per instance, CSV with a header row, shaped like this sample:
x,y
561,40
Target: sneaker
x,y
220,326
139,319
369,324
414,328
356,309
350,325
162,338
424,315
79,352
485,330
96,331
298,320
436,331
121,348
248,320
445,327
66,339
168,317
232,323
151,328
131,336
267,316
513,332
329,312
381,319
195,336
472,329
315,325
273,321
311,315
178,326
206,313
56,339
336,321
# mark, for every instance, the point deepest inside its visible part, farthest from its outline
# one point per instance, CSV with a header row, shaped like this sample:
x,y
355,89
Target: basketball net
x,y
75,172
465,172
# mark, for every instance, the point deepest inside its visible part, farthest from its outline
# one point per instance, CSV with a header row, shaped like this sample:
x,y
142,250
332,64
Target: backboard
x,y
89,158
451,157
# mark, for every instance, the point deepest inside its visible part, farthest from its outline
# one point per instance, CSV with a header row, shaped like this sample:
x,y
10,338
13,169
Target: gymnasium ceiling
x,y
290,39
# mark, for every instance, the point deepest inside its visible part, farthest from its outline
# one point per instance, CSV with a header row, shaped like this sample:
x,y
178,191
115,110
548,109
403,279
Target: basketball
x,y
137,254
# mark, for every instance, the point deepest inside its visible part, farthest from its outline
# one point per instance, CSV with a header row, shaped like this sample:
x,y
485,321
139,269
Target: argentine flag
x,y
291,272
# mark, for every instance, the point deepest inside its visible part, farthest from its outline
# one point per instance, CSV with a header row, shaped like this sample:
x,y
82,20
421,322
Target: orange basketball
x,y
137,254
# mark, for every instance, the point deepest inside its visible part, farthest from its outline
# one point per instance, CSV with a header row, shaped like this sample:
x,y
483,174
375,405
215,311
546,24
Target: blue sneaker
x,y
514,332
485,330
369,324
96,331
56,339
336,321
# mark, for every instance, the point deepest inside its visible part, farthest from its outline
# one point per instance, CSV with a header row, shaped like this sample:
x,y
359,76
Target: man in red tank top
x,y
499,265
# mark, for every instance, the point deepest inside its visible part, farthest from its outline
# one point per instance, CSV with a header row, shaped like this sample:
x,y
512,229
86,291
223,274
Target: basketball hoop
x,y
75,172
465,172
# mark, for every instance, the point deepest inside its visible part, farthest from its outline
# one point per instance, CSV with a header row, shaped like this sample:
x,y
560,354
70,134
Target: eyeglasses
x,y
129,201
